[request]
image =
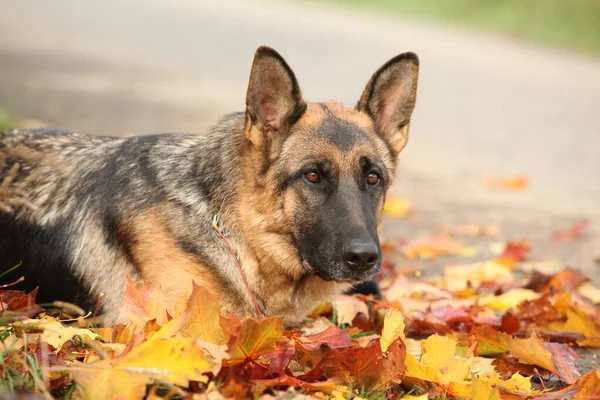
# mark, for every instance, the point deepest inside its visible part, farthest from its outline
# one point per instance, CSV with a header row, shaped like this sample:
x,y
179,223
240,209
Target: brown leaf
x,y
564,360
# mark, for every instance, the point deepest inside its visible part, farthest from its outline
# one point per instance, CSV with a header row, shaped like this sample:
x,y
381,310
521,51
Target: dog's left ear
x,y
274,101
389,99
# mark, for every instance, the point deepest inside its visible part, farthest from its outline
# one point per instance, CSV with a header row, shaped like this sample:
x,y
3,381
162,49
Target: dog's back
x,y
47,202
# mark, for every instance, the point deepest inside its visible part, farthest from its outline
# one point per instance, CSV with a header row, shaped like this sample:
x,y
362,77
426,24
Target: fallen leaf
x,y
204,315
55,333
516,251
482,390
143,303
393,328
510,299
19,302
256,338
333,337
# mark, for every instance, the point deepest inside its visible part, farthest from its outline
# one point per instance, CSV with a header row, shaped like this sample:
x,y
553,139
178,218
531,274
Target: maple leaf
x,y
55,333
550,357
19,302
333,337
393,328
256,338
483,390
204,316
575,231
398,207
510,299
516,251
439,353
100,382
577,322
460,277
564,360
173,359
143,303
491,342
367,366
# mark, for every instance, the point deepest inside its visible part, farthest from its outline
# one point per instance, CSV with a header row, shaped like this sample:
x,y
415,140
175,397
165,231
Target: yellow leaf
x,y
482,390
55,333
100,382
510,299
461,277
204,311
439,352
176,360
393,328
577,322
347,308
397,207
516,384
532,351
415,369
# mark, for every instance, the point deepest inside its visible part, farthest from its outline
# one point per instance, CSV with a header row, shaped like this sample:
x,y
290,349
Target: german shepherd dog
x,y
298,188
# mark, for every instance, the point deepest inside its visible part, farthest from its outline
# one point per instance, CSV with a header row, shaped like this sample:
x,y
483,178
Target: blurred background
x,y
509,92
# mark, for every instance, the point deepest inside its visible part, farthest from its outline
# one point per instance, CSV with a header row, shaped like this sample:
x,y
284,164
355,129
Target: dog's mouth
x,y
353,278
309,268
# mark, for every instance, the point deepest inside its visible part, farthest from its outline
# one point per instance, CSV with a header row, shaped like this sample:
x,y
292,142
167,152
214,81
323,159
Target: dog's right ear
x,y
274,101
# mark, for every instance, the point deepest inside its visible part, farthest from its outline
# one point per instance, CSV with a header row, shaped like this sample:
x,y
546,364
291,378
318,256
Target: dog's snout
x,y
361,255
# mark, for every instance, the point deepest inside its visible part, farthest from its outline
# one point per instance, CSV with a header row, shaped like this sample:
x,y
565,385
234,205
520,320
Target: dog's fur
x,y
287,180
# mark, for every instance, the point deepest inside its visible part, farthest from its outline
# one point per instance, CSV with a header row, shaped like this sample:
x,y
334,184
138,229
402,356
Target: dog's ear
x,y
274,101
389,99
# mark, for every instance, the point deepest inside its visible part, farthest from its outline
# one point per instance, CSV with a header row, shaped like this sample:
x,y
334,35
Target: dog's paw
x,y
312,326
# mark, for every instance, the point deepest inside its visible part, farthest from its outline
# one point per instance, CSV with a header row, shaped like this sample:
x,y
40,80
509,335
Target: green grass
x,y
570,24
6,122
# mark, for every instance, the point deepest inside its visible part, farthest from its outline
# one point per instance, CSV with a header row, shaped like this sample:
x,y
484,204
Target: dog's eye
x,y
312,176
372,178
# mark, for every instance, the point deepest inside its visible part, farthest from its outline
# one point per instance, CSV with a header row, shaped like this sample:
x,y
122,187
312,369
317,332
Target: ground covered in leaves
x,y
497,329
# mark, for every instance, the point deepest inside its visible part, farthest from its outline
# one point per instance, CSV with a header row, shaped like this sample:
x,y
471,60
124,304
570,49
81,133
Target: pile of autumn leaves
x,y
485,330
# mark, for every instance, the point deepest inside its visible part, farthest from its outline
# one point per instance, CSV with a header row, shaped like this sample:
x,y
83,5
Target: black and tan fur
x,y
87,210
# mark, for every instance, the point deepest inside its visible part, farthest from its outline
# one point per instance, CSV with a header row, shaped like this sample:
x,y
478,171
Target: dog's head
x,y
323,170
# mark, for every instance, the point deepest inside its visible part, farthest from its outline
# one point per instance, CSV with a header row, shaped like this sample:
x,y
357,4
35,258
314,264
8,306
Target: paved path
x,y
485,105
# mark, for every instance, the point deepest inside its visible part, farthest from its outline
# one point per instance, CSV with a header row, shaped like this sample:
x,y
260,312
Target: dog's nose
x,y
361,256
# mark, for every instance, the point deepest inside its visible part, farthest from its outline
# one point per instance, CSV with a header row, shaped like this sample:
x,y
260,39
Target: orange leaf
x,y
516,251
204,315
143,303
256,338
